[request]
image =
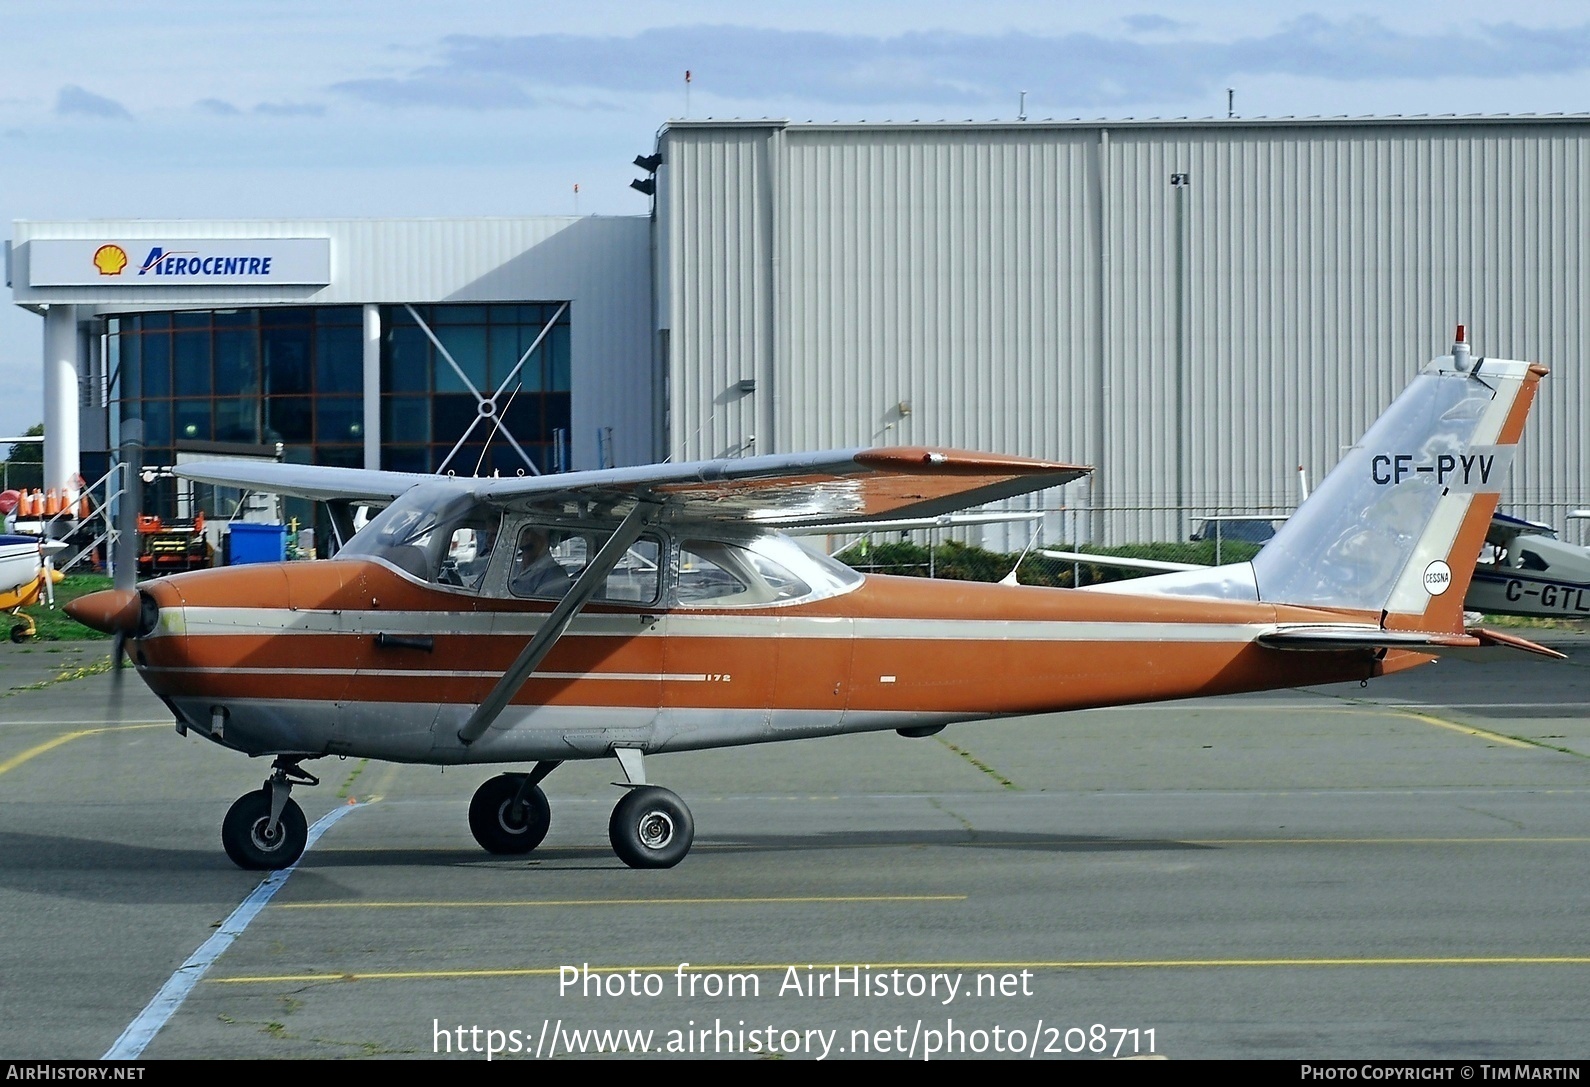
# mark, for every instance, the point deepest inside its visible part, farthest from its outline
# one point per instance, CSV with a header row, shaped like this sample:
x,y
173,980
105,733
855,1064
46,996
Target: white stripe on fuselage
x,y
433,673
273,621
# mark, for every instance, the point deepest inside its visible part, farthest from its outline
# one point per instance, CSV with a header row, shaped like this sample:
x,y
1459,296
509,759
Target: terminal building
x,y
1197,308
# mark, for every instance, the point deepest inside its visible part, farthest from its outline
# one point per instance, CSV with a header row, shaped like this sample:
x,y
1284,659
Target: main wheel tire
x,y
495,823
243,833
651,828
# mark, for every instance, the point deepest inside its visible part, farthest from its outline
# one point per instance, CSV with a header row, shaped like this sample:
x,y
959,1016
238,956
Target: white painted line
x,y
142,1030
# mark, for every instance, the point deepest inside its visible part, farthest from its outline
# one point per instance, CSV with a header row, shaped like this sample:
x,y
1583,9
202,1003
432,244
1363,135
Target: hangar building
x,y
1198,308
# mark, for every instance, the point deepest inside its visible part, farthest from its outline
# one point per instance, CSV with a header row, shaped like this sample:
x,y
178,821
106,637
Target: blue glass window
x,y
339,360
157,365
191,369
286,352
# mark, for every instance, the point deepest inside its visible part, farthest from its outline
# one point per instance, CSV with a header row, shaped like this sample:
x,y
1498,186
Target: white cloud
x,y
74,100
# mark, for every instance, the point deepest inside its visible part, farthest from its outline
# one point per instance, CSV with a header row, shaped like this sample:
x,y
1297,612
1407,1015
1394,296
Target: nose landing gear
x,y
266,829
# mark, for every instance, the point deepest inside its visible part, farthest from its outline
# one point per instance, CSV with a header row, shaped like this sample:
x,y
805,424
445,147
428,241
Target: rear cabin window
x,y
713,574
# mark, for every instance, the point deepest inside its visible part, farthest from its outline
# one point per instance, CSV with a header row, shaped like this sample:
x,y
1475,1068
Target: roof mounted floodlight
x,y
647,185
649,163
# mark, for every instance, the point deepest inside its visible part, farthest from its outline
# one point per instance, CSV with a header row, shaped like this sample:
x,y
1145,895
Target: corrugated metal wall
x,y
1037,289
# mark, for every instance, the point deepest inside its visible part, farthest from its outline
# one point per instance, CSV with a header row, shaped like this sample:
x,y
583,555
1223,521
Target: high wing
x,y
323,484
1505,529
780,490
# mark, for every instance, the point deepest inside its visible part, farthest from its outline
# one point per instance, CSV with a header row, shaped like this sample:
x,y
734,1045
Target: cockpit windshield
x,y
432,533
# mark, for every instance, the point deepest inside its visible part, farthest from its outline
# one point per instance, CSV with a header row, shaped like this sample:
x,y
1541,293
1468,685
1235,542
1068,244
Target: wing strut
x,y
585,586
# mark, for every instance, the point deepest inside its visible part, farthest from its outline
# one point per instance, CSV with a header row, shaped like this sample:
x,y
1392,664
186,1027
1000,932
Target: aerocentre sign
x,y
178,262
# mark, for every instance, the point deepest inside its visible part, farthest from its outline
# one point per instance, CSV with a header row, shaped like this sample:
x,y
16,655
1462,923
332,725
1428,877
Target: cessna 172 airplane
x,y
628,612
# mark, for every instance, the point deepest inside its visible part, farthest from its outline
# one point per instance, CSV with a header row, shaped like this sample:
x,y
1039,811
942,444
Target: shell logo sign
x,y
110,260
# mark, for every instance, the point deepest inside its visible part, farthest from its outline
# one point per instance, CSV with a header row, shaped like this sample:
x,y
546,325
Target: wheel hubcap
x,y
263,839
512,817
656,829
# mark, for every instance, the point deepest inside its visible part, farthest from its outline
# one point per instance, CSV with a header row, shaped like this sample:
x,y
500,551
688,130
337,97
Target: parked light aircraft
x,y
1531,572
26,577
628,612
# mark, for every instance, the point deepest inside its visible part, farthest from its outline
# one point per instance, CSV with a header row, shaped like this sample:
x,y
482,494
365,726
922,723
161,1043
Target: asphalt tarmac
x,y
1397,871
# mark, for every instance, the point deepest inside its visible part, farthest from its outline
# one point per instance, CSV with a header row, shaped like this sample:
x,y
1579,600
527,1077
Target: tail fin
x,y
1397,526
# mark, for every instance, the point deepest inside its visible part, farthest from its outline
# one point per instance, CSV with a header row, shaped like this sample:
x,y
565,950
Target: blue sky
x,y
178,108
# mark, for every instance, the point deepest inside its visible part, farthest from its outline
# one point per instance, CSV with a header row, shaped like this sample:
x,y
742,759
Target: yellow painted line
x,y
1501,840
877,967
1467,730
1087,844
66,738
532,903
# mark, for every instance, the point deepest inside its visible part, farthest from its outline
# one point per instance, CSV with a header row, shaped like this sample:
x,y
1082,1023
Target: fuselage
x,y
352,657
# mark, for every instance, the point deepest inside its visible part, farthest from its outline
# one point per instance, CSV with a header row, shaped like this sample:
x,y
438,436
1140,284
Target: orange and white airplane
x,y
629,612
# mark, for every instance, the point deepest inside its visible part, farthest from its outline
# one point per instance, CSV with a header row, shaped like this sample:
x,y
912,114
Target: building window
x,y
295,375
431,398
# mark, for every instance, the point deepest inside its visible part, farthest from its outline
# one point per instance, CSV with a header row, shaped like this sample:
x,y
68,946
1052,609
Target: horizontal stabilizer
x,y
1513,641
1337,638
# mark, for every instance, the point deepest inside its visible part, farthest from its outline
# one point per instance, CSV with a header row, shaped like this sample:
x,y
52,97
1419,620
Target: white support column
x,y
60,396
372,387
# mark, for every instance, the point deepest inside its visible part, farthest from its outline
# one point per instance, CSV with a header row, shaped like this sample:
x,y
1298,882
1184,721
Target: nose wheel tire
x,y
502,826
245,833
651,828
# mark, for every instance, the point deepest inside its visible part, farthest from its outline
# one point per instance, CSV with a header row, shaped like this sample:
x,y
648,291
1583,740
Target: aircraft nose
x,y
110,611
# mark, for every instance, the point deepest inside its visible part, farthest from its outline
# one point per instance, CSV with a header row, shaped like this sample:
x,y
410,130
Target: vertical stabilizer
x,y
1397,526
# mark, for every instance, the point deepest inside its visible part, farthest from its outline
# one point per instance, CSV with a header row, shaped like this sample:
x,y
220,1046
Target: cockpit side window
x,y
1531,560
468,554
547,561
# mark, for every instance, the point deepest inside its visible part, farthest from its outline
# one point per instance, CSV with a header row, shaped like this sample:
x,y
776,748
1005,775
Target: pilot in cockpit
x,y
535,571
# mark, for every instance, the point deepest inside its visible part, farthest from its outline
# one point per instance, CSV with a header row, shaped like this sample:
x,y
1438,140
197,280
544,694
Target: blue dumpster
x,y
257,543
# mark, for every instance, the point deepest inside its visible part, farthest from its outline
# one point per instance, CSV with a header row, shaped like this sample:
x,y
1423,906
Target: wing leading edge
x,y
319,482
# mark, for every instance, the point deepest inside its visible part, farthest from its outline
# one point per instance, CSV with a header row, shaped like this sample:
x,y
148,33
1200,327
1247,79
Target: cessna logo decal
x,y
1437,578
1482,469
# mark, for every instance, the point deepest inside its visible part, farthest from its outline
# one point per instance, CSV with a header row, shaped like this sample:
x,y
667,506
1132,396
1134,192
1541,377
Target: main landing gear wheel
x,y
502,822
651,828
245,833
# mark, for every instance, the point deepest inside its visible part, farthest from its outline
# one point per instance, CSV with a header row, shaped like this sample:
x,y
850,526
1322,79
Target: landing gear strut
x,y
266,829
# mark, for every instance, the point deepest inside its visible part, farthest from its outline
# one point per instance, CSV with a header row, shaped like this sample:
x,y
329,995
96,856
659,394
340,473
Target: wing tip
x,y
917,458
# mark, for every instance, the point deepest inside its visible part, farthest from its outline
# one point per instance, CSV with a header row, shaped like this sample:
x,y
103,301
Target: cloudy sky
x,y
199,109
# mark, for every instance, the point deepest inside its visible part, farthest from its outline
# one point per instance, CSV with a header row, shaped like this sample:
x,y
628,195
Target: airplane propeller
x,y
118,611
126,579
